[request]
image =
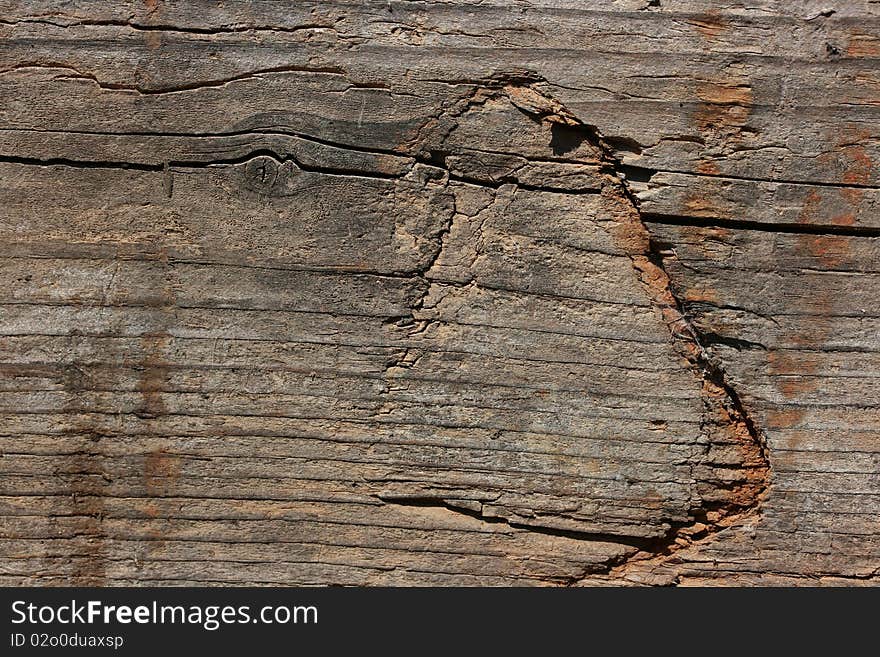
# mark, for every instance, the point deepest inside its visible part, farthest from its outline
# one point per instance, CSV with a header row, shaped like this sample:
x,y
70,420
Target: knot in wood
x,y
262,172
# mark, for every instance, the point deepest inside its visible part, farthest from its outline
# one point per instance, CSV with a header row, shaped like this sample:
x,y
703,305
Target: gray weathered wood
x,y
439,293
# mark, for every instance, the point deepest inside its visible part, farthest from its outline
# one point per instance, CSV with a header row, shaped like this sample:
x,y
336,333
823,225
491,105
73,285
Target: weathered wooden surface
x,y
547,292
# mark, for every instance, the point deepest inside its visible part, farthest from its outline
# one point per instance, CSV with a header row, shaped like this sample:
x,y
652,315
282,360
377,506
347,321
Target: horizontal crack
x,y
737,343
640,172
737,224
574,534
146,91
79,164
194,164
144,27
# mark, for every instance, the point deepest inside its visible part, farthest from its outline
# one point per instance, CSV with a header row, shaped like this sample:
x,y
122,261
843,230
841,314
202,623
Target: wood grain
x,y
403,293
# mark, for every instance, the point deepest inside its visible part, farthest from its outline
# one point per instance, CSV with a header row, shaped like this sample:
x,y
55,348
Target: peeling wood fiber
x,y
404,293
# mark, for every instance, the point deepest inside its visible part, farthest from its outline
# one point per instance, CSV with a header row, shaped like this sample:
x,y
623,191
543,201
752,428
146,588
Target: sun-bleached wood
x,y
454,293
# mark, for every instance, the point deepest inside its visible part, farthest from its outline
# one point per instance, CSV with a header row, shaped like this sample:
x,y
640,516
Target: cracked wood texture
x,y
454,293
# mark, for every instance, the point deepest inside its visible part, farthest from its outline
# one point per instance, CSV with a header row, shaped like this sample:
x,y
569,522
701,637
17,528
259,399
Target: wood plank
x,y
459,293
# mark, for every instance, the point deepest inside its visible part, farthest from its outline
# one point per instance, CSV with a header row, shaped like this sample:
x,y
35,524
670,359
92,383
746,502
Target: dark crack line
x,y
80,164
197,164
574,534
633,545
204,84
647,172
738,224
146,27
